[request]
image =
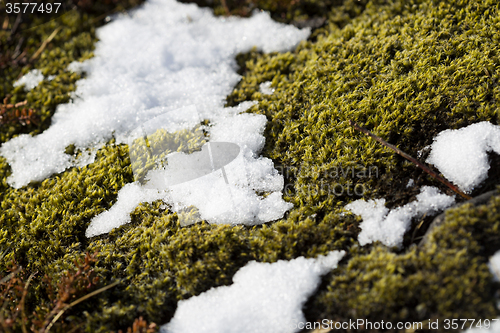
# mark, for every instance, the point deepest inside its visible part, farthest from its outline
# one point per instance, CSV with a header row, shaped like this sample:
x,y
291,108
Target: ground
x,y
406,70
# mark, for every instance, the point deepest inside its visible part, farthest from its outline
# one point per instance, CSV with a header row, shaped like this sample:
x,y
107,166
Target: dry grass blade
x,y
98,291
44,44
411,159
11,275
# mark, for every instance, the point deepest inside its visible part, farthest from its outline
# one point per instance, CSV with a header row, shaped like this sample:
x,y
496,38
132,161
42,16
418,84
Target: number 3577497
x,y
31,7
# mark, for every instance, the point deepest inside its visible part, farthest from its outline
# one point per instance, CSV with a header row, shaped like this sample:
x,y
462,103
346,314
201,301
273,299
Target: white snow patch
x,y
218,202
158,58
129,197
79,67
494,265
389,227
30,80
266,88
461,155
263,298
411,183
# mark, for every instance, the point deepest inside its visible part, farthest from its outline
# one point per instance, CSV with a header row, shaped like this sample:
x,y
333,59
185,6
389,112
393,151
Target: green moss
x,y
158,261
405,69
148,153
446,278
302,13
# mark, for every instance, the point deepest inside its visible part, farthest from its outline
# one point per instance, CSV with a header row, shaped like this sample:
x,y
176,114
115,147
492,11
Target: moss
x,y
302,13
158,261
446,278
404,69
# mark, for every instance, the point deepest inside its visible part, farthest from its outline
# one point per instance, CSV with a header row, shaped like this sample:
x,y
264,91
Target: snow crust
x,y
263,298
461,155
159,58
389,226
30,80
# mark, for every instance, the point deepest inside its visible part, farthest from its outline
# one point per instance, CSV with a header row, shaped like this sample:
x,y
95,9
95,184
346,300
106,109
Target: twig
x,y
44,44
17,50
81,299
4,253
411,159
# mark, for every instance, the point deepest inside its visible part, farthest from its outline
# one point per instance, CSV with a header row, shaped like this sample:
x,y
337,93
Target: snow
x,y
263,298
266,88
30,80
156,63
494,265
461,155
389,226
129,197
158,58
220,181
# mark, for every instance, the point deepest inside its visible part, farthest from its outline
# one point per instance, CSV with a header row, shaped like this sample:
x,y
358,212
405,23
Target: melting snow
x,y
494,265
263,298
389,226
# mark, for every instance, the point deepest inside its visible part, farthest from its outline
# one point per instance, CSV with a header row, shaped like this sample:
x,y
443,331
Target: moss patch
x,y
406,70
445,279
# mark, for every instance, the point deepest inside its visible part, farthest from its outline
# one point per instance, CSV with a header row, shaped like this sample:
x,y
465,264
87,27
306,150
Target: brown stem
x,y
411,159
226,8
